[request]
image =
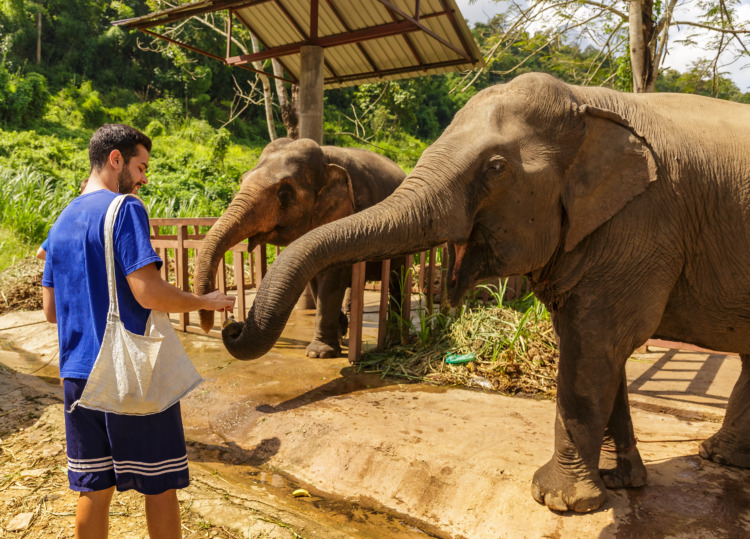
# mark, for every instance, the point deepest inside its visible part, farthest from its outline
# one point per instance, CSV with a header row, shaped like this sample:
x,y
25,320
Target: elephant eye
x,y
495,166
285,194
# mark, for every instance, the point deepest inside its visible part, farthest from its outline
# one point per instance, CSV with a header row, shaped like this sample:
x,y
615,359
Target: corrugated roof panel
x,y
389,57
270,25
361,14
299,11
328,23
348,59
430,48
390,52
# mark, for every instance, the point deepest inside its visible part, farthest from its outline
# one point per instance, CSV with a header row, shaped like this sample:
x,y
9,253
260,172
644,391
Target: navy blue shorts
x,y
145,453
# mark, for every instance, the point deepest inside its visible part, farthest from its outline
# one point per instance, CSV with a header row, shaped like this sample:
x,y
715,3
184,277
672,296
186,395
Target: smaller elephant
x,y
296,186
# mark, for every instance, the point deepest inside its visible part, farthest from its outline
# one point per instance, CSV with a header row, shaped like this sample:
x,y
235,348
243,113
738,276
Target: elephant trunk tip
x,y
206,320
232,337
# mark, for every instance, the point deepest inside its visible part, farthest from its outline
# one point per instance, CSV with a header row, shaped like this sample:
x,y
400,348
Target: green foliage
x,y
22,98
698,80
13,248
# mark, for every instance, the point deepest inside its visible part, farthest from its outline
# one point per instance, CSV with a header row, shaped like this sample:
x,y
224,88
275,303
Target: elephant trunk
x,y
413,218
225,233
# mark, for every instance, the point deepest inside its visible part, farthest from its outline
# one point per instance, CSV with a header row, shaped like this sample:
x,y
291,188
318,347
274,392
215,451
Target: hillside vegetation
x,y
86,72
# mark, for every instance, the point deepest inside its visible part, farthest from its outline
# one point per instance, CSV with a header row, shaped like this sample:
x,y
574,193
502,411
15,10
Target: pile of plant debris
x,y
510,348
21,286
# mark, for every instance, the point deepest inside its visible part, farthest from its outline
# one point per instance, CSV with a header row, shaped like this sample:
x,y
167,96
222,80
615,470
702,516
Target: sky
x,y
678,57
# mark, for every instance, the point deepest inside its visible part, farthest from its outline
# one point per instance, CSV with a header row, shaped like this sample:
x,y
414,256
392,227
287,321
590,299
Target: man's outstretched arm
x,y
153,292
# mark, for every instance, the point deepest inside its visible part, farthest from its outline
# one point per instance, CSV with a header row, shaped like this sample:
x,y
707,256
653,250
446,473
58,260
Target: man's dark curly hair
x,y
115,137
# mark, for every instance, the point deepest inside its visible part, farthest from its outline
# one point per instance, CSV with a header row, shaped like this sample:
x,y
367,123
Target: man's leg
x,y
92,514
163,515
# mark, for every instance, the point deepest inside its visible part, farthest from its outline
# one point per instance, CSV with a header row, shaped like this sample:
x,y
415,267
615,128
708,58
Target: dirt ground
x,y
381,459
34,497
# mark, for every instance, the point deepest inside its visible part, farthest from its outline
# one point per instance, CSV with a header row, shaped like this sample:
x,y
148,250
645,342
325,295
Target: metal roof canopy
x,y
364,40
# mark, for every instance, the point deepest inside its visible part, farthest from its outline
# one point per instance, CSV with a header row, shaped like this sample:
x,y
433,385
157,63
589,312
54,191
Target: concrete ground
x,y
385,459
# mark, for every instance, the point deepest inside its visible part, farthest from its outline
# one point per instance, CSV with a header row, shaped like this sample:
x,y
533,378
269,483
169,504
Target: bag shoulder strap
x,y
109,252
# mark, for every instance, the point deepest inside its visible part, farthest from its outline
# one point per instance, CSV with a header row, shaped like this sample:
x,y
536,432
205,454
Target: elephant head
x,y
524,173
292,189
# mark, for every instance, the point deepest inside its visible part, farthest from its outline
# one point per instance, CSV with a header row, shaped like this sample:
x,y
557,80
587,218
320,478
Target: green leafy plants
x,y
513,344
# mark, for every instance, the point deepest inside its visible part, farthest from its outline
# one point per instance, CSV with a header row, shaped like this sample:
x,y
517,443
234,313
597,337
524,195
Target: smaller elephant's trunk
x,y
223,235
399,225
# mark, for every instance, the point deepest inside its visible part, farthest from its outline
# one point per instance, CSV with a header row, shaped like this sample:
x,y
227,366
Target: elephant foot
x,y
726,448
622,469
321,349
562,491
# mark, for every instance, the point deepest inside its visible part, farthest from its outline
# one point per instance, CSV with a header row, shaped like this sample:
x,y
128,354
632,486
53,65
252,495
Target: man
x,y
108,451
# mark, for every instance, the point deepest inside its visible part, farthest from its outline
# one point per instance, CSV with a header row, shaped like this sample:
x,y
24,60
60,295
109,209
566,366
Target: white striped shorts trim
x,y
128,466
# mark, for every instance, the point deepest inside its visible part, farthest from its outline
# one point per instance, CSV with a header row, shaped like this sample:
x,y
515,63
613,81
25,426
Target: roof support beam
x,y
456,28
313,21
182,12
426,30
330,41
343,79
204,53
307,38
348,29
229,33
286,68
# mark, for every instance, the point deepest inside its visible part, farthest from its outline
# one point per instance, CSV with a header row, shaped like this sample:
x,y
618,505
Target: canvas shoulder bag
x,y
136,374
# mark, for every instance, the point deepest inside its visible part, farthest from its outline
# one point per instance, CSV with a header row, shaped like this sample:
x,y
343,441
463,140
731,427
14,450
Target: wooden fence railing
x,y
179,250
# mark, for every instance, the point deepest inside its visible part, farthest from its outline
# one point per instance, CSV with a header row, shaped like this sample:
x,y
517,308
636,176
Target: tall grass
x,y
30,202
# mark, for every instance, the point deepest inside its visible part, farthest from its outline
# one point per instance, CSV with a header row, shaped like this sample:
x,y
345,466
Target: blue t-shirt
x,y
75,267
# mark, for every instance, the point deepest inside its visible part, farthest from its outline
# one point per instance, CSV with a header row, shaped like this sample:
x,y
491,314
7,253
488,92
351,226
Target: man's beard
x,y
125,181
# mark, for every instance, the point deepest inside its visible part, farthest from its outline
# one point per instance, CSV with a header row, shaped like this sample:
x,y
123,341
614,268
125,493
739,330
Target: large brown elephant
x,y
630,215
298,185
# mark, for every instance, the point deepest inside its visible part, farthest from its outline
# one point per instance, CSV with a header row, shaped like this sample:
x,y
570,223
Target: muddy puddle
x,y
233,399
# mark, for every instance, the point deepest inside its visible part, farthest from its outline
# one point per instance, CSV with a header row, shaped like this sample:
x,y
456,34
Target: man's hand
x,y
216,301
153,292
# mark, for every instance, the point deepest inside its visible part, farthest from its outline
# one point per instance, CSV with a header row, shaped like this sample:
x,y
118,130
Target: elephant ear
x,y
336,198
611,167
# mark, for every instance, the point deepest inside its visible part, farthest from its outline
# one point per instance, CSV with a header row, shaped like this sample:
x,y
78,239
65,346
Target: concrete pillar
x,y
311,93
310,119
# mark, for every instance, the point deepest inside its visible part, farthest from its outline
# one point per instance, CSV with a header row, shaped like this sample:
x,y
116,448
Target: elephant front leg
x,y
587,385
620,463
731,445
330,294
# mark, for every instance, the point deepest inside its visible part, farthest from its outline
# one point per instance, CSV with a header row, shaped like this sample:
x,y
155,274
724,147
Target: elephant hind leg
x,y
620,464
731,445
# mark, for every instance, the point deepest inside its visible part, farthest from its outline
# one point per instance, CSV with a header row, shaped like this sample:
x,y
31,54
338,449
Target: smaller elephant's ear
x,y
611,167
336,198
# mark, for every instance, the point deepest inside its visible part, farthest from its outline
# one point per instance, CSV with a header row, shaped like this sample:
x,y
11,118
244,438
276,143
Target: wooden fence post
x,y
406,298
358,304
385,275
182,274
239,279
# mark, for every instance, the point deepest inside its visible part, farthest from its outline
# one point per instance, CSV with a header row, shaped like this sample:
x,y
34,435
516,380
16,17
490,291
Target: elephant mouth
x,y
460,274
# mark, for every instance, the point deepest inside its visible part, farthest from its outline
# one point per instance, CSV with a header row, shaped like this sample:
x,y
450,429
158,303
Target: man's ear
x,y
115,160
336,198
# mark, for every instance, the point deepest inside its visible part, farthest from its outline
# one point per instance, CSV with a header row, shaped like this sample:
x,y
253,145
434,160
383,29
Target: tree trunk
x,y
267,95
288,109
38,37
642,45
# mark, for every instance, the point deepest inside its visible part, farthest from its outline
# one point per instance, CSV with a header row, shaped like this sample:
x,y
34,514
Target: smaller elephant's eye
x,y
285,194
